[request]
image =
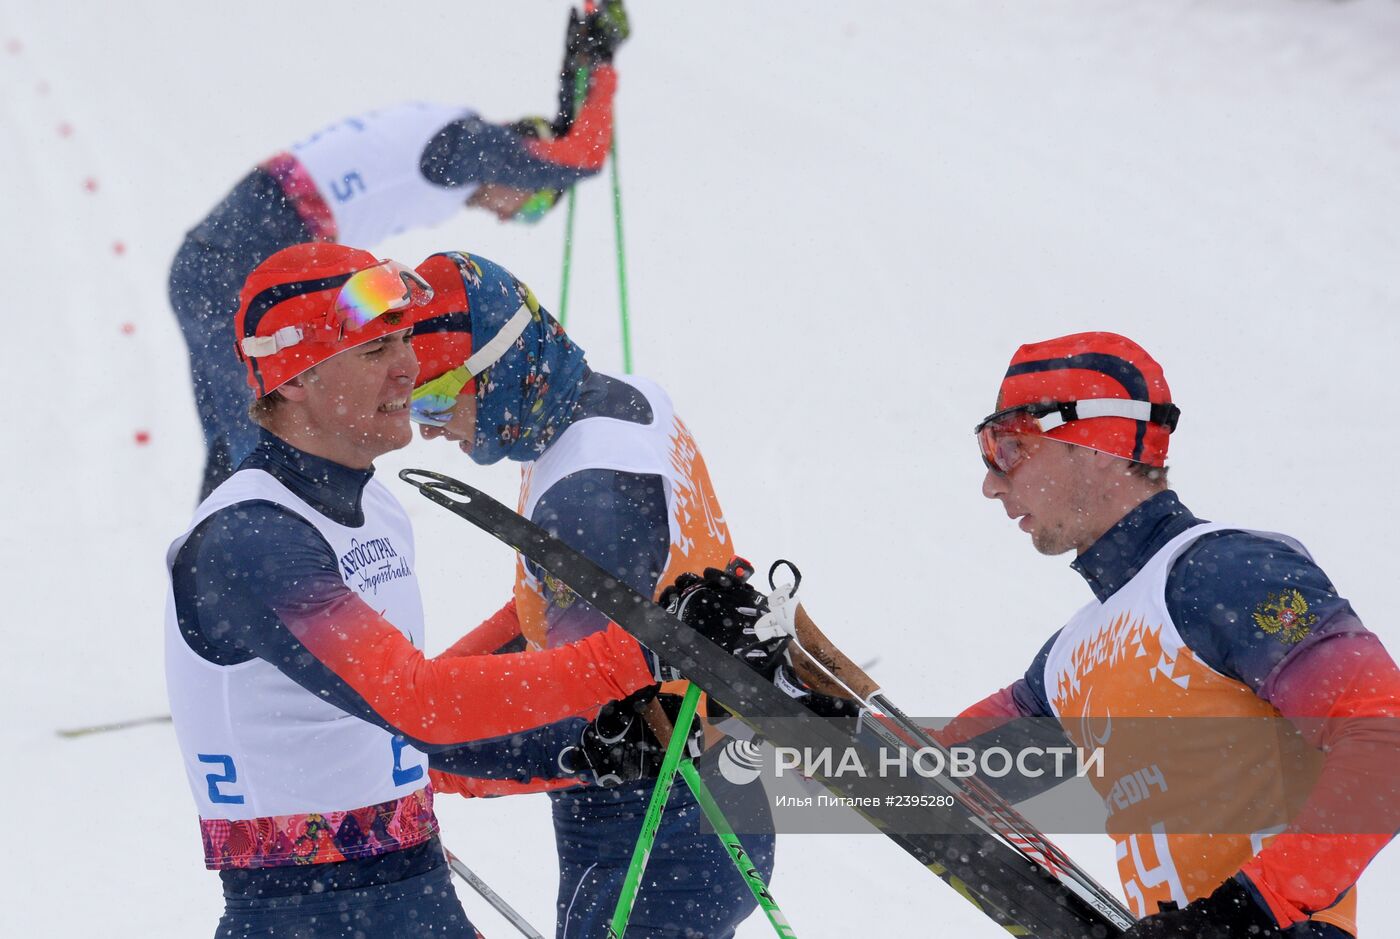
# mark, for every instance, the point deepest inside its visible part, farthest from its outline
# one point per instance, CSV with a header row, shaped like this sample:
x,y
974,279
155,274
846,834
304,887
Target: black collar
x,y
331,488
1115,558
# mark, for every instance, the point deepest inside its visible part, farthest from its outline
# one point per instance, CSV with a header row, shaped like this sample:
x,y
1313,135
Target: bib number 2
x,y
227,776
403,776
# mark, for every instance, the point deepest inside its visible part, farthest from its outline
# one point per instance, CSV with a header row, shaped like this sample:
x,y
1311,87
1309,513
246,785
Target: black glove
x,y
723,607
595,37
618,747
822,705
1228,913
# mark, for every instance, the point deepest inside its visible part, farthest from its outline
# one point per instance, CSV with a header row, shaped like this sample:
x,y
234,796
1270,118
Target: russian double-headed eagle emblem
x,y
1285,616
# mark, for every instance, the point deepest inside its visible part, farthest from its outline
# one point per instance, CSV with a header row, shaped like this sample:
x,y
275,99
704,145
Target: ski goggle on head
x,y
433,401
387,287
1006,437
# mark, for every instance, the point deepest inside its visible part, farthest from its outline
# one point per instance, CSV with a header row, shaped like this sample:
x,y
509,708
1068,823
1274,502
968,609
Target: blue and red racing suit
x,y
625,483
1219,628
307,715
357,182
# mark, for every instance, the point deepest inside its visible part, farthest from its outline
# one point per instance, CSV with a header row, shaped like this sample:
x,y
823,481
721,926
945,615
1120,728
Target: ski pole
x,y
621,259
737,854
580,89
665,779
580,86
490,896
72,732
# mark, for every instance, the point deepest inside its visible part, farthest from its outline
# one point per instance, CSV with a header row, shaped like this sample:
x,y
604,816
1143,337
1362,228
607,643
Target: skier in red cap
x,y
1190,619
1254,814
305,710
412,165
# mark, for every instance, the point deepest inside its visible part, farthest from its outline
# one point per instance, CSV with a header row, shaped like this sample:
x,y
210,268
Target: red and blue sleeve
x,y
258,581
472,150
1264,614
617,519
498,633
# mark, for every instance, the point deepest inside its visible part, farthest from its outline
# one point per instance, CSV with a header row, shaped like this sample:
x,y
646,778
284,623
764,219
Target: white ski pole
x,y
72,732
491,896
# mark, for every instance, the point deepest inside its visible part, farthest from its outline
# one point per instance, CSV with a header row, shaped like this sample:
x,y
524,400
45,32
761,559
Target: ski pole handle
x,y
813,644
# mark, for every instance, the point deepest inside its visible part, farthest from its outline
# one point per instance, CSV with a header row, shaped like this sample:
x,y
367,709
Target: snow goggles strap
x,y
999,435
433,401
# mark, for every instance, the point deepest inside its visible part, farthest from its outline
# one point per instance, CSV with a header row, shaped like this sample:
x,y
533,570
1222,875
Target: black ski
x,y
1010,887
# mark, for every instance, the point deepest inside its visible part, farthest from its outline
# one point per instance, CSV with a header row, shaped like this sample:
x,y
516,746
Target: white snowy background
x,y
842,220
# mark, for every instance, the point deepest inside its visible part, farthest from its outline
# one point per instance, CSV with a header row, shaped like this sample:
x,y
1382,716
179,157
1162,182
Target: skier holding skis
x,y
610,468
305,709
413,165
1189,619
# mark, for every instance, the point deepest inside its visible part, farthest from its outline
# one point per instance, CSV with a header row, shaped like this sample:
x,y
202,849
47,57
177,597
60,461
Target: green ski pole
x,y
580,88
621,260
737,854
675,750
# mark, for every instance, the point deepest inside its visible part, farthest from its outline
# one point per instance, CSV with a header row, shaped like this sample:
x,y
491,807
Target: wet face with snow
x,y
1065,497
353,407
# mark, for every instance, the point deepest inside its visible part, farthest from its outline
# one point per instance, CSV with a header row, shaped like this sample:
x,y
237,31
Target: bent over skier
x,y
412,165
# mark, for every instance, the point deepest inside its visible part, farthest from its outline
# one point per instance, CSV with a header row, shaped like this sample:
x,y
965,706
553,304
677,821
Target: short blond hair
x,y
261,410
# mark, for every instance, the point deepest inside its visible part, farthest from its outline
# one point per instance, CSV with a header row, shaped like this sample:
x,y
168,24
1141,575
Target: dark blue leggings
x,y
253,221
424,905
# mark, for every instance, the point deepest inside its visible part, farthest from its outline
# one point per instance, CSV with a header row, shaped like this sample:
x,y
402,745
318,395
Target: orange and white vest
x,y
1114,676
665,448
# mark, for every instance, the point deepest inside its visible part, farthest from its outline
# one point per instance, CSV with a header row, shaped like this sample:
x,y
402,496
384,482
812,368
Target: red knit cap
x,y
296,289
442,331
1089,366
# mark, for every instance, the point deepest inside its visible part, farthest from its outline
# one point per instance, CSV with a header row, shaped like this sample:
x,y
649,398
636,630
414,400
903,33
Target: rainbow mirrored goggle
x,y
388,287
385,288
432,402
1002,437
537,206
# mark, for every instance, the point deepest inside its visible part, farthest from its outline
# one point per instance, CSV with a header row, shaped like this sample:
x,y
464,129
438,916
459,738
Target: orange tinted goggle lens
x,y
1001,441
385,288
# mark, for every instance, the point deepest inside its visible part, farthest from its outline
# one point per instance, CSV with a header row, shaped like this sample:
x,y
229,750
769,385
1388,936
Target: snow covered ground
x,y
843,218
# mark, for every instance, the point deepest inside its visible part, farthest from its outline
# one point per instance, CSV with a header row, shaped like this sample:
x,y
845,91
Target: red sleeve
x,y
486,788
474,697
499,629
586,144
986,715
1344,695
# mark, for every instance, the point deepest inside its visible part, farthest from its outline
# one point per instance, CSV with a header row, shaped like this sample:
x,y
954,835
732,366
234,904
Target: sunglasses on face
x,y
433,401
1006,437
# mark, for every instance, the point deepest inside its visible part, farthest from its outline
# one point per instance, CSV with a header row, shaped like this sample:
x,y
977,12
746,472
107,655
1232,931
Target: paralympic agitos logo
x,y
371,563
